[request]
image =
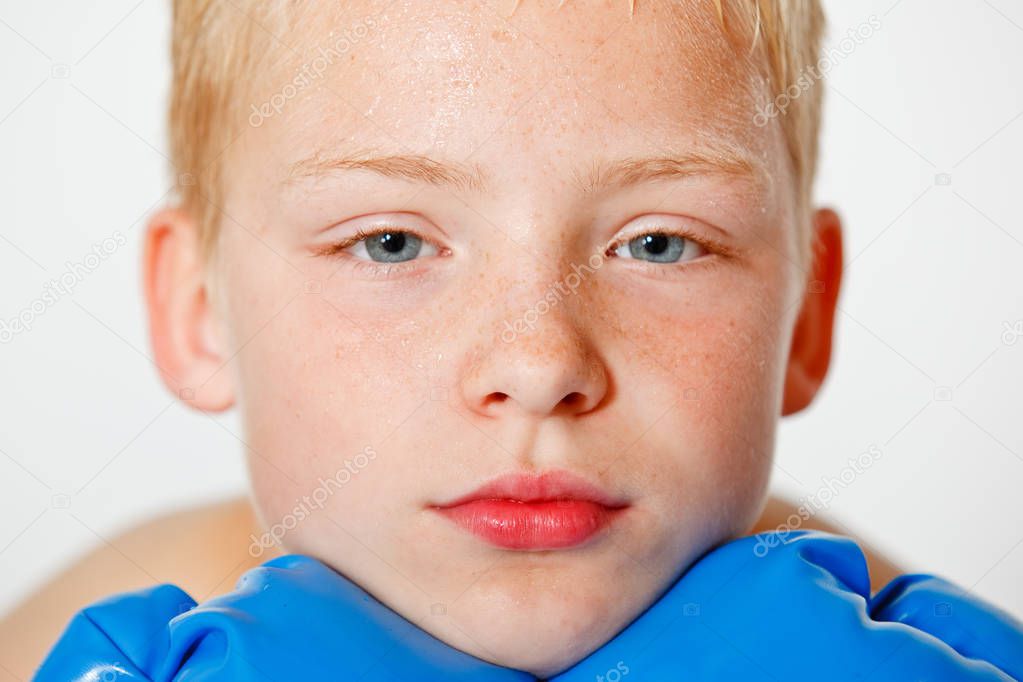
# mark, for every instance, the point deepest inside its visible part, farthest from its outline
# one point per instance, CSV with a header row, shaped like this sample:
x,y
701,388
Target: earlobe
x,y
810,354
182,321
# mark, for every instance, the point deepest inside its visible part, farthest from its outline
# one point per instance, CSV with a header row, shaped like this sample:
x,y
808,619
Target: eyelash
x,y
335,248
385,270
715,249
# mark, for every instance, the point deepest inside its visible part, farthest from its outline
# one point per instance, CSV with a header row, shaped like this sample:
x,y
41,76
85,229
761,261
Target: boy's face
x,y
654,372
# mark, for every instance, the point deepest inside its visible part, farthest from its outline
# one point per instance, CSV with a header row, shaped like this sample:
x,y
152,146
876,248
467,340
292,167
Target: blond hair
x,y
211,48
790,34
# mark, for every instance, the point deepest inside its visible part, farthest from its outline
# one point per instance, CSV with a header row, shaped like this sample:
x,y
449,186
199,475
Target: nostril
x,y
496,397
573,399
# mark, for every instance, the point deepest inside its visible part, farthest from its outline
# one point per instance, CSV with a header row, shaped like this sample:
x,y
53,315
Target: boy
x,y
510,298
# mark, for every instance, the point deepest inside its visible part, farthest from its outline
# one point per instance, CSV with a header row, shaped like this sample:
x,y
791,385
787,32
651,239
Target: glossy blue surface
x,y
792,606
797,606
291,619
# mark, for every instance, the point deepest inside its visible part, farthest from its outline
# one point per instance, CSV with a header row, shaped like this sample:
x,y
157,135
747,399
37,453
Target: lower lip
x,y
513,524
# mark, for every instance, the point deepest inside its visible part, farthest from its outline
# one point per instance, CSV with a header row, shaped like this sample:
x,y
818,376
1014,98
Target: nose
x,y
548,367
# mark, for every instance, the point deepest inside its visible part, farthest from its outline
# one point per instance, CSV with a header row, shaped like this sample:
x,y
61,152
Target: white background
x,y
925,367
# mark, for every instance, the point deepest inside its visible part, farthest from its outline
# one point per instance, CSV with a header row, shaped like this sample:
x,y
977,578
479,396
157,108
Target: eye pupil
x,y
657,247
393,247
393,242
655,243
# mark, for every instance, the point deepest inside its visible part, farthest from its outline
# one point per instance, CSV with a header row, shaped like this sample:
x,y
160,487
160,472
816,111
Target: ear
x,y
182,323
810,354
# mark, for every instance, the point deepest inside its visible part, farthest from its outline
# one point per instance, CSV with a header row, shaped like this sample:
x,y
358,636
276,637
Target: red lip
x,y
552,510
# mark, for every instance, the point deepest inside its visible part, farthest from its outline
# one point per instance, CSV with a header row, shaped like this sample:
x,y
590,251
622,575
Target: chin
x,y
542,619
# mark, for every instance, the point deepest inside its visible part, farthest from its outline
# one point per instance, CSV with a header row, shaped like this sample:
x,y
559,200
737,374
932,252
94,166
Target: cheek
x,y
322,381
316,387
713,347
701,375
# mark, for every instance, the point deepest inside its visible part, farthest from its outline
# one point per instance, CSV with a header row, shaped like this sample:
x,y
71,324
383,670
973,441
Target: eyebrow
x,y
413,167
601,176
631,171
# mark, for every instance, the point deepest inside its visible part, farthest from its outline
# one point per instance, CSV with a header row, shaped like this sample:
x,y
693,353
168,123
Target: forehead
x,y
506,81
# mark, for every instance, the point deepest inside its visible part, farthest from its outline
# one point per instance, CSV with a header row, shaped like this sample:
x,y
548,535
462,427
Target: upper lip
x,y
543,486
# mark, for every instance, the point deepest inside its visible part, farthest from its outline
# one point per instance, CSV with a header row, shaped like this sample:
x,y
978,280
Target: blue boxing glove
x,y
291,619
800,609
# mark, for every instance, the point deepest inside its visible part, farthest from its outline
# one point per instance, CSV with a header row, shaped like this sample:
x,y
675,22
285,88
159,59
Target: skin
x,y
205,550
662,383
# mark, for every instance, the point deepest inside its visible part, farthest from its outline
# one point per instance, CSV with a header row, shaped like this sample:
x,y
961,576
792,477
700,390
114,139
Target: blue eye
x,y
390,246
661,247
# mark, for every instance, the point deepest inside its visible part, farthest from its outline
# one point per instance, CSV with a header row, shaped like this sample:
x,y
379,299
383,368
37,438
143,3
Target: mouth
x,y
552,510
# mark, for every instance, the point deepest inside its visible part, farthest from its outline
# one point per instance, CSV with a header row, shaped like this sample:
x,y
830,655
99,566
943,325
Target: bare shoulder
x,y
203,550
777,513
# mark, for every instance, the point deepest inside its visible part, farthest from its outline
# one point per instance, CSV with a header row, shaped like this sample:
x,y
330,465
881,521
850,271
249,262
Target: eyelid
x,y
335,247
711,244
